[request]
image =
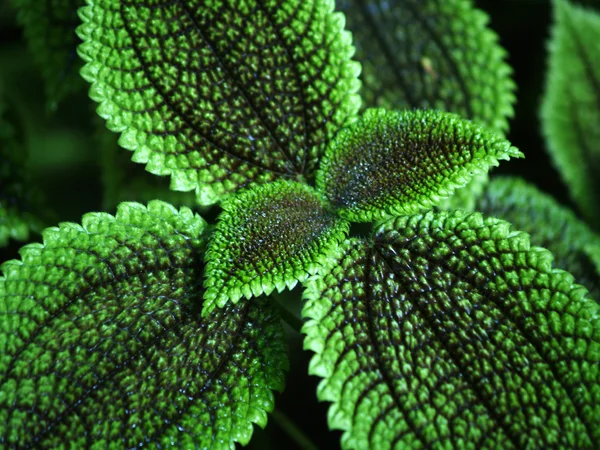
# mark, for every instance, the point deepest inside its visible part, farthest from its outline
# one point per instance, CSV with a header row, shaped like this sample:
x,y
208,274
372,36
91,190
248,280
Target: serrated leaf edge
x,y
316,307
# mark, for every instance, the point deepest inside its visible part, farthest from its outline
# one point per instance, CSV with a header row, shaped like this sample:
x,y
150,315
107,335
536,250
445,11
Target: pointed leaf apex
x,y
394,162
269,236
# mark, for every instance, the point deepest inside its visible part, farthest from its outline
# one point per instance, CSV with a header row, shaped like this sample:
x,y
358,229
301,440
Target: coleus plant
x,y
437,328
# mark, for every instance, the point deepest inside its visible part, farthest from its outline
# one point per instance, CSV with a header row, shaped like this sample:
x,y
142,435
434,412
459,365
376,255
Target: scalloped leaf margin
x,y
102,340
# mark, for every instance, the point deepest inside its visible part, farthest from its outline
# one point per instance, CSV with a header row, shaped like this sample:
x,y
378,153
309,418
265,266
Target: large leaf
x,y
401,162
449,330
431,54
269,237
221,94
49,27
20,201
102,343
571,107
575,247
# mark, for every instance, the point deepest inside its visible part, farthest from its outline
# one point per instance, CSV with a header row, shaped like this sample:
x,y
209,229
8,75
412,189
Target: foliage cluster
x,y
340,148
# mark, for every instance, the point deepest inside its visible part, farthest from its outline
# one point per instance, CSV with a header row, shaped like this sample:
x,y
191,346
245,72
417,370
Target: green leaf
x,y
401,162
102,343
571,105
449,330
431,54
20,210
269,237
49,27
575,247
222,94
124,180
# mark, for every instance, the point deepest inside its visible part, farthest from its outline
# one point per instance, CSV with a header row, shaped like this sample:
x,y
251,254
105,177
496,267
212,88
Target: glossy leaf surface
x,y
401,162
49,27
269,237
102,343
575,247
221,94
431,54
571,106
448,330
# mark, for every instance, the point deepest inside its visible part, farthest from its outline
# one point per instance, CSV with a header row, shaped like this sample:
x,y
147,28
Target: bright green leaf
x,y
102,344
19,200
269,237
449,330
431,54
221,94
575,247
401,162
49,26
571,107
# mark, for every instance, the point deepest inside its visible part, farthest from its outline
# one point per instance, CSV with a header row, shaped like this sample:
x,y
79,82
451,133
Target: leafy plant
x,y
432,325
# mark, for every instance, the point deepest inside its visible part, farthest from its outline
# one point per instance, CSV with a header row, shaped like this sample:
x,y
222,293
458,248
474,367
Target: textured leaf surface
x,y
575,247
18,196
269,237
448,330
102,344
400,162
49,27
220,94
571,106
431,54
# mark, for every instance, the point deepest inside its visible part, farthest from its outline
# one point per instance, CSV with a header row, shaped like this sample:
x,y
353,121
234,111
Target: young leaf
x,y
19,199
448,330
268,237
221,94
49,26
102,343
400,162
431,54
571,107
575,247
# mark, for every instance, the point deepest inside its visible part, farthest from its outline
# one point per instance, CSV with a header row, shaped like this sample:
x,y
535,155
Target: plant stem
x,y
292,430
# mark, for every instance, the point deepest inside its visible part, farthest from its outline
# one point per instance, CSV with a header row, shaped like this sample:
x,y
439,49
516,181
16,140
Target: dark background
x,y
64,163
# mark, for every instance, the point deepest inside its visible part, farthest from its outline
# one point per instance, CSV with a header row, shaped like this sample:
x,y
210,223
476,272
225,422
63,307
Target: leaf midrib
x,y
498,423
184,117
523,329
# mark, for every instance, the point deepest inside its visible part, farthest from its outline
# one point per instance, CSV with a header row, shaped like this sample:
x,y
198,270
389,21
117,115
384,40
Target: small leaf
x,y
269,237
571,106
431,54
102,343
575,247
401,162
49,27
221,94
20,203
448,330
